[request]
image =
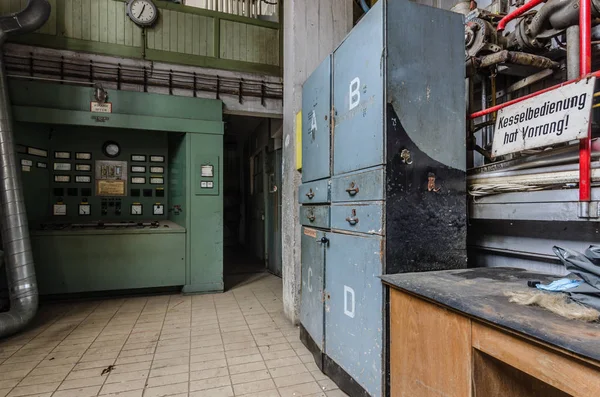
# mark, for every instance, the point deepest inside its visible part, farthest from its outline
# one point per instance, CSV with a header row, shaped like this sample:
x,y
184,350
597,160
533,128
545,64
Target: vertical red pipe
x,y
585,67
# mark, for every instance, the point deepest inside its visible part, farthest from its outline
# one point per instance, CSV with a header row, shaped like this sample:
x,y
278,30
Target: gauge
x,y
62,155
157,159
83,156
83,167
83,178
138,180
85,209
62,166
59,209
138,157
138,168
136,209
142,12
111,149
157,181
37,152
157,170
158,209
62,178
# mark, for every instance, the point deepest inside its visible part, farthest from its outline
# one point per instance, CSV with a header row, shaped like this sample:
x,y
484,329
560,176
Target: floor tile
x,y
209,373
294,379
81,392
210,383
226,391
34,389
309,388
250,376
247,367
253,387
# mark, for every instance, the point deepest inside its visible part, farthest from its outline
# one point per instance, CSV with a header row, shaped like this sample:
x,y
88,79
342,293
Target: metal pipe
x,y
517,13
493,109
573,52
20,268
585,67
484,133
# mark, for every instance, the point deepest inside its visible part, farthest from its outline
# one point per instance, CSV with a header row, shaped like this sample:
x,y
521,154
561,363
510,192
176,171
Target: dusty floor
x,y
232,344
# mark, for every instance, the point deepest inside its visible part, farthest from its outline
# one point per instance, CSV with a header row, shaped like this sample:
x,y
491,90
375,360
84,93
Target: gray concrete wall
x,y
312,29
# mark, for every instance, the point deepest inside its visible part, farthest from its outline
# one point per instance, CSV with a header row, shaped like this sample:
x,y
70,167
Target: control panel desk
x,y
453,333
111,256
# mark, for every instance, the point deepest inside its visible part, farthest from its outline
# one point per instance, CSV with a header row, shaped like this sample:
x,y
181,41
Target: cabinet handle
x,y
323,240
352,190
310,194
311,217
353,219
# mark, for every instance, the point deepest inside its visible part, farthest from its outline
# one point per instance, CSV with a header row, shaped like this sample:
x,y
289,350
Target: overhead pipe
x,y
585,67
20,269
517,13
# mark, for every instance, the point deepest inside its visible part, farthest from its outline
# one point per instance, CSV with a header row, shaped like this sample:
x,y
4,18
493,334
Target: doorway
x,y
252,197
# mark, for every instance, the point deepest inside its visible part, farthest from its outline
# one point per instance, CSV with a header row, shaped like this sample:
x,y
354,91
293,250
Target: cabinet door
x,y
316,122
359,66
354,307
313,264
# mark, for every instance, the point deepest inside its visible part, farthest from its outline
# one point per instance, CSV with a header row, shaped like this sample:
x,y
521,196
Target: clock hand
x,y
141,12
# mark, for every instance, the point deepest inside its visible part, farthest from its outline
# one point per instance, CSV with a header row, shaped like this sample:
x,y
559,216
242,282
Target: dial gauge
x,y
111,149
142,12
85,209
158,209
136,209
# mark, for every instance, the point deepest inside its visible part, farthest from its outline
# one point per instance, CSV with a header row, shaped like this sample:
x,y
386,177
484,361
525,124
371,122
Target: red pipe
x,y
520,99
517,13
585,67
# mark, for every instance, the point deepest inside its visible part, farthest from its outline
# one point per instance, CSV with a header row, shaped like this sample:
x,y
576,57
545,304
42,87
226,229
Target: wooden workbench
x,y
454,334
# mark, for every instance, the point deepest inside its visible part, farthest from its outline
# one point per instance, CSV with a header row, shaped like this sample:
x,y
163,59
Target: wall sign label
x,y
349,304
98,107
560,115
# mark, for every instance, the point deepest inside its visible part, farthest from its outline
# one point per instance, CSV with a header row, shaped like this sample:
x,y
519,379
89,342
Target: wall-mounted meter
x,y
85,209
158,209
137,209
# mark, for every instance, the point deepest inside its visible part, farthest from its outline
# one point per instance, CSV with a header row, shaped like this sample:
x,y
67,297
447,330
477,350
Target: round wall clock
x,y
142,12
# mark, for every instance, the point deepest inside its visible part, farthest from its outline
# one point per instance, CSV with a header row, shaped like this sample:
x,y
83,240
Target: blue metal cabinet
x,y
358,96
313,273
316,121
359,186
315,215
354,308
360,218
316,192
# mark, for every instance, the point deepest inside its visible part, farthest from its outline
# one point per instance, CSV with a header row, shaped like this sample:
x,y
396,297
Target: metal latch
x,y
310,194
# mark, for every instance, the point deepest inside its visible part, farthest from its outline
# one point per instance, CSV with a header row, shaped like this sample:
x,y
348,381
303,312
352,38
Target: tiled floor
x,y
232,344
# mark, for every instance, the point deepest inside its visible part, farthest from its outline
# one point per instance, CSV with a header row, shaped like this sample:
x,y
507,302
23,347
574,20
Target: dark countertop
x,y
479,293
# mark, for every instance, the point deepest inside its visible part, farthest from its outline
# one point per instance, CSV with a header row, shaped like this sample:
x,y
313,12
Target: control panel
x,y
98,174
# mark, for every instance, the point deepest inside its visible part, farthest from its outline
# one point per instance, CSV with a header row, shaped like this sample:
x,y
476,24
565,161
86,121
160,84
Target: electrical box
x,y
206,175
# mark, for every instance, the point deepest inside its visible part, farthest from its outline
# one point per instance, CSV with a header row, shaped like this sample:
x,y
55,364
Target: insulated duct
x,y
20,269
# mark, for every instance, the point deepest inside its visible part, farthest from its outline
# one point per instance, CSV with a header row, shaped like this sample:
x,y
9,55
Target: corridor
x,y
232,344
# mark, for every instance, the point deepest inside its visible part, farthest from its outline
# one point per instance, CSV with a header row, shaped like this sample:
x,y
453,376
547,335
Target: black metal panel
x,y
426,224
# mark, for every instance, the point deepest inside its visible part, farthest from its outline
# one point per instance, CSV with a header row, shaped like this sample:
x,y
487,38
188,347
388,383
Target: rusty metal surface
x,y
518,58
479,293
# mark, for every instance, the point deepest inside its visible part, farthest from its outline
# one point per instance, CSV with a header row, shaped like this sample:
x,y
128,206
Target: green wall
x,y
183,35
190,254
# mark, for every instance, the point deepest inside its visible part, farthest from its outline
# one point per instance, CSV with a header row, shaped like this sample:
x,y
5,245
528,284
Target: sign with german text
x,y
556,116
98,107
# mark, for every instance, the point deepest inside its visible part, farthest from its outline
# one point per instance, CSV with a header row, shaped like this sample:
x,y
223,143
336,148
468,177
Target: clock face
x,y
111,149
142,12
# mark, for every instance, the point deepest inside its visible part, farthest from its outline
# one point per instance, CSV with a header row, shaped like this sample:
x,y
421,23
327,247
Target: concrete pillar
x,y
311,30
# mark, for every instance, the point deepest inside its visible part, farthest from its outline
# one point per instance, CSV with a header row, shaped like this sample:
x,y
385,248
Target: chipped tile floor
x,y
234,344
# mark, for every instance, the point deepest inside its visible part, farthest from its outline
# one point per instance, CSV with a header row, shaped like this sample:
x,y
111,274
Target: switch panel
x,y
206,175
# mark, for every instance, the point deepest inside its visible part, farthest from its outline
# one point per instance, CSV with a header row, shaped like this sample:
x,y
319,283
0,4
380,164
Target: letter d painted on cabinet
x,y
348,292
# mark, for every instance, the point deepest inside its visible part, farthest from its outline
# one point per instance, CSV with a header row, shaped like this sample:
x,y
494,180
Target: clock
x,y
111,149
142,12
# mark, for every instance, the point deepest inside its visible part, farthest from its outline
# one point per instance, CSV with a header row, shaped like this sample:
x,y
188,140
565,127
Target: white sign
x,y
349,309
98,107
560,115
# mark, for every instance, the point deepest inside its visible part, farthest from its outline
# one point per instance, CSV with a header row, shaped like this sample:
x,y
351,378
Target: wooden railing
x,y
183,34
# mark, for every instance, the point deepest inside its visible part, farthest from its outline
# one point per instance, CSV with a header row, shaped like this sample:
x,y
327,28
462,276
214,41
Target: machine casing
x,y
394,196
